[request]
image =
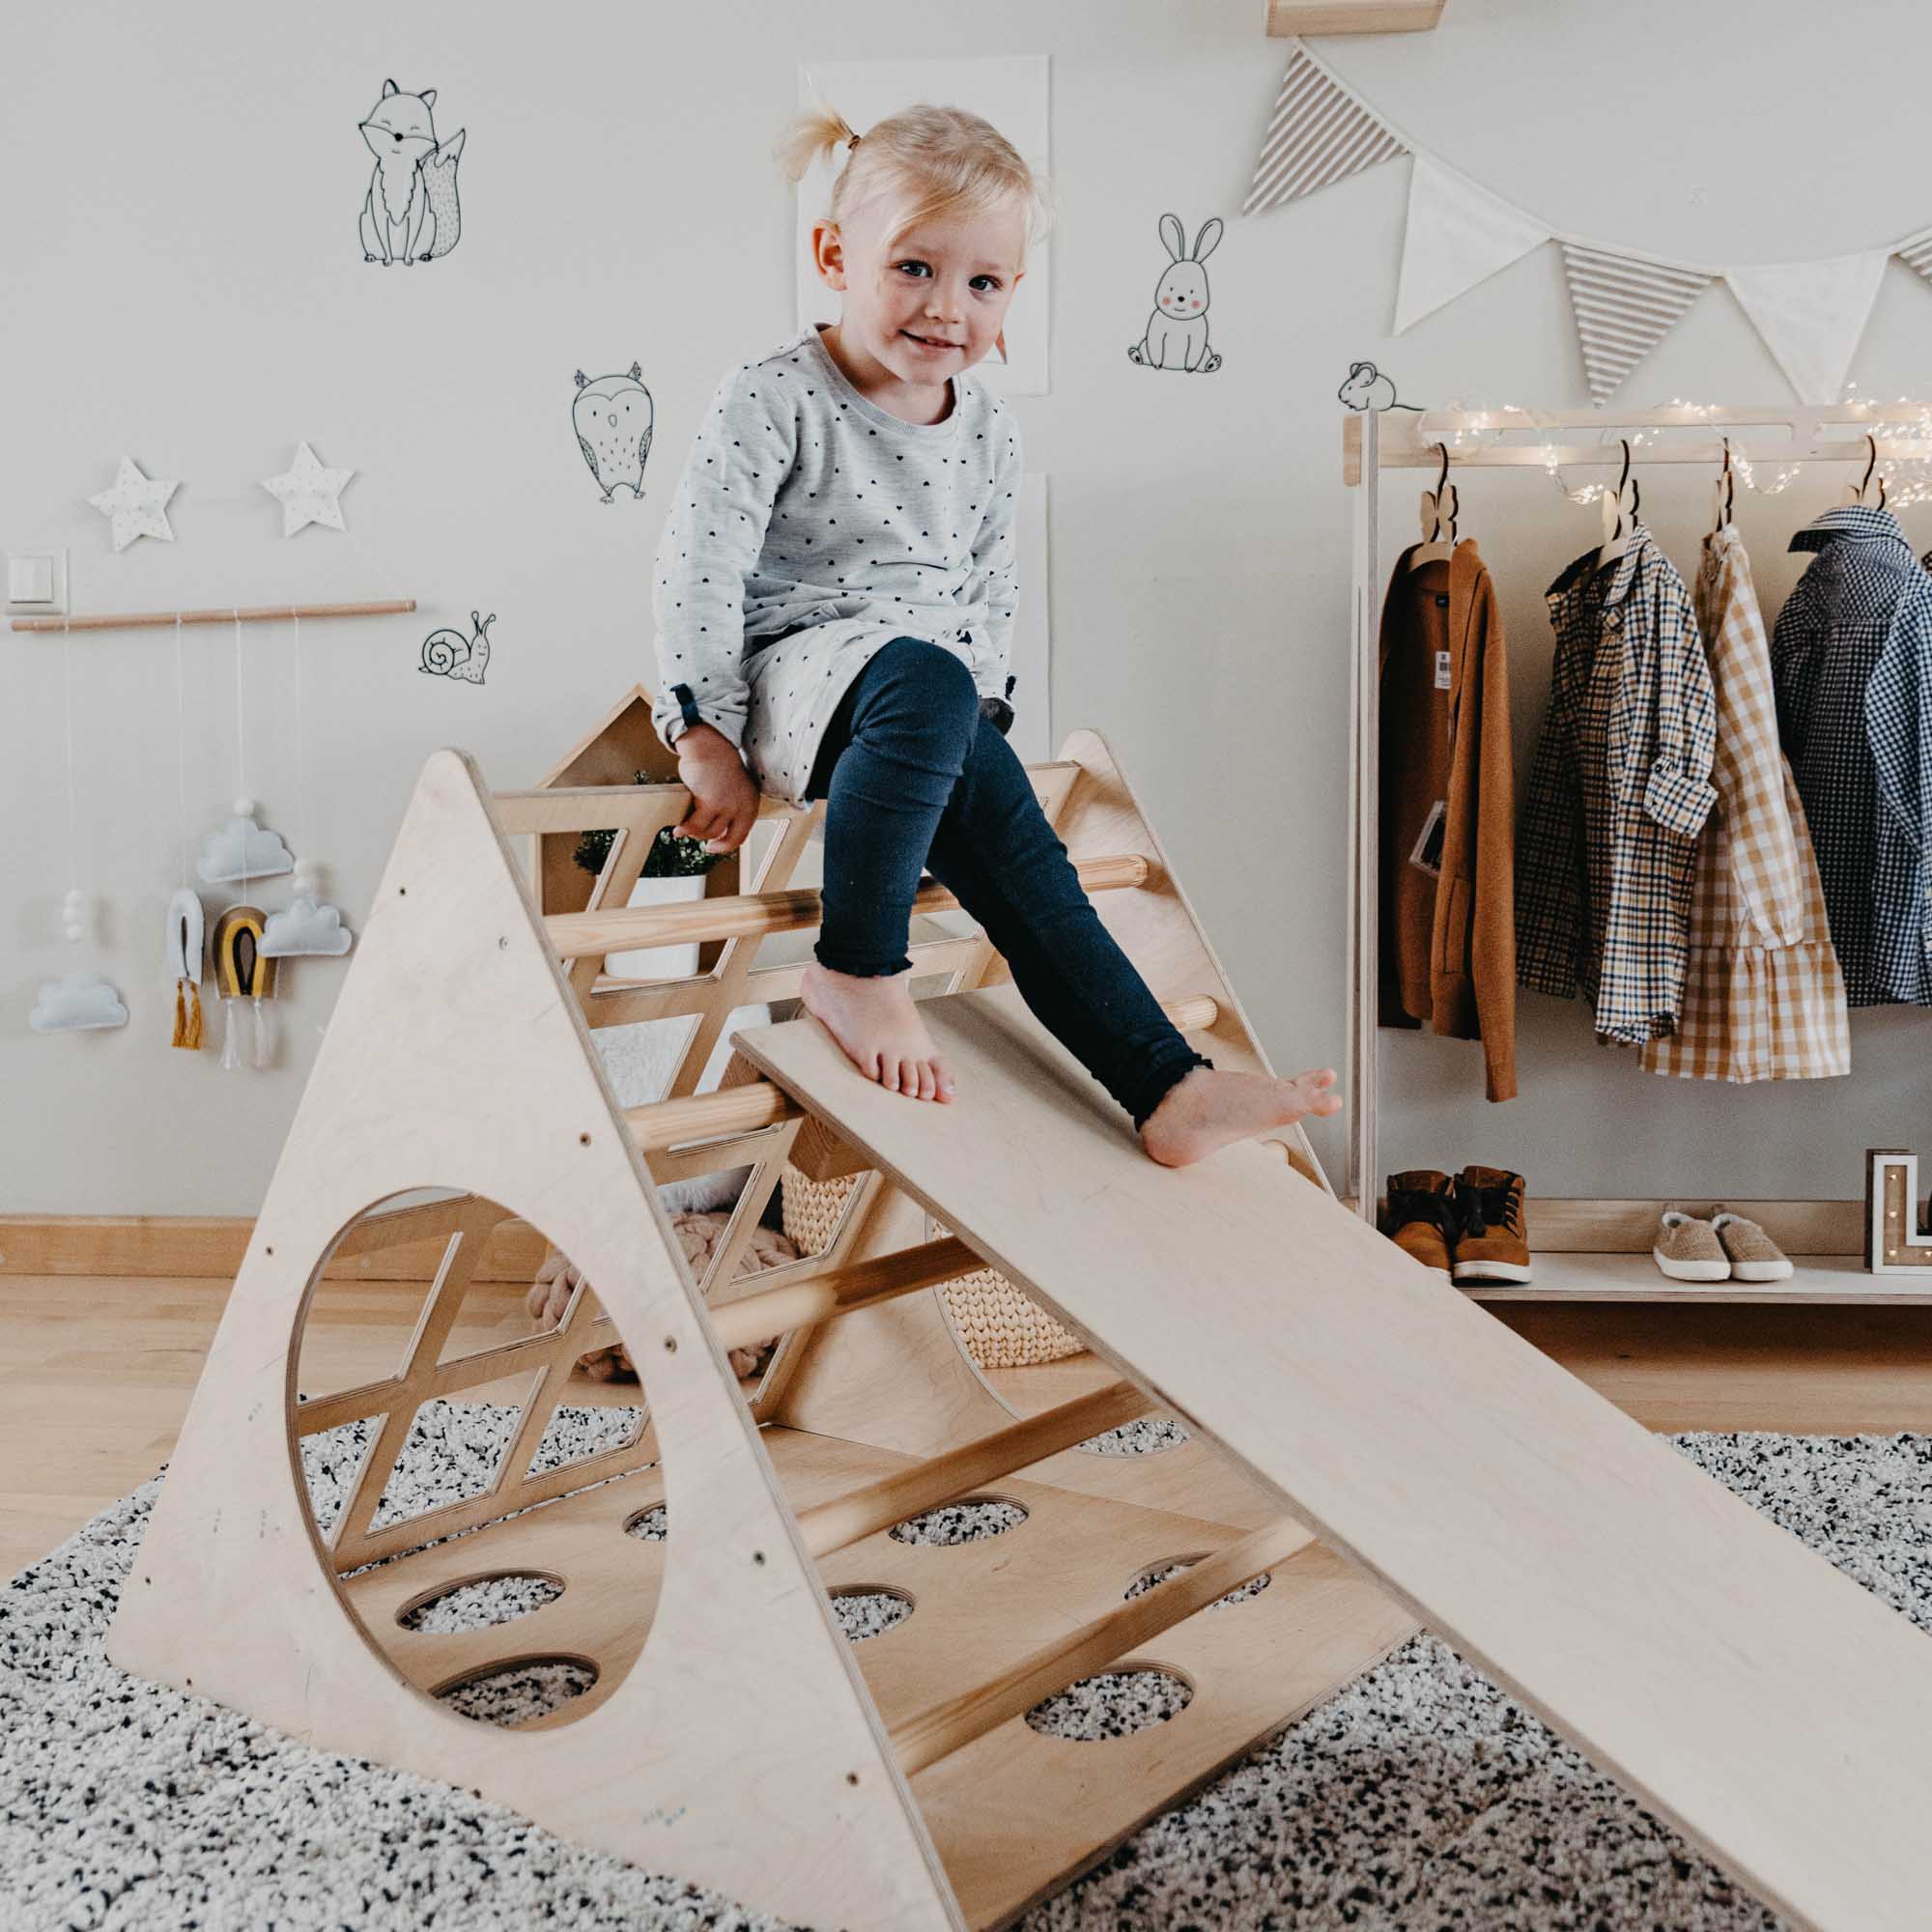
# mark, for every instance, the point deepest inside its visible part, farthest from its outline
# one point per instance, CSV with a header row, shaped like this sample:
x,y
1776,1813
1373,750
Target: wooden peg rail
x,y
257,613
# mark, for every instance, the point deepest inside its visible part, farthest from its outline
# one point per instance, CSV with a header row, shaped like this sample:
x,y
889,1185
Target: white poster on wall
x,y
1010,92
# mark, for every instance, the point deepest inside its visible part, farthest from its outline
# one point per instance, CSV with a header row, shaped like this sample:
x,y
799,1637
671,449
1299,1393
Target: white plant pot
x,y
659,962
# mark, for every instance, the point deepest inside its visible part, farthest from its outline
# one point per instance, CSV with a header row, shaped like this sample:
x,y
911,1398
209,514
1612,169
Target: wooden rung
x,y
752,915
876,1506
942,1730
757,1318
704,1117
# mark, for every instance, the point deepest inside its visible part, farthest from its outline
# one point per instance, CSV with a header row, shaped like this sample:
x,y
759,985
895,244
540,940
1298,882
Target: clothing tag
x,y
1442,671
1426,856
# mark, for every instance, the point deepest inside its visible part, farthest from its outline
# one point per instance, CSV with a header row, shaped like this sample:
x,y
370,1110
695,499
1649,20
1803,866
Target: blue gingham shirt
x,y
1852,660
1618,791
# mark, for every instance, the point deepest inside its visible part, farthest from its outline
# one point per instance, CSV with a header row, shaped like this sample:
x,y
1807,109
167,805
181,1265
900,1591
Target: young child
x,y
835,598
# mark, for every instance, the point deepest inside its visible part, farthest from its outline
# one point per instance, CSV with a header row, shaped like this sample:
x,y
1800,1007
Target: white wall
x,y
198,302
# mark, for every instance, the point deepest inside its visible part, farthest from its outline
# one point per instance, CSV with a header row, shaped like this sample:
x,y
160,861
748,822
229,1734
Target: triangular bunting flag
x,y
1458,235
1811,315
1915,252
1317,133
1625,307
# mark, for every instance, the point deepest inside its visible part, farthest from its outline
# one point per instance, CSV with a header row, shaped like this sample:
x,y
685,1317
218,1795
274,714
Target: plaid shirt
x,y
1618,793
1852,658
1763,998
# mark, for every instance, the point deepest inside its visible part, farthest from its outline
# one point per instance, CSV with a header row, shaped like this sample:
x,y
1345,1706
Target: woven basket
x,y
1000,1326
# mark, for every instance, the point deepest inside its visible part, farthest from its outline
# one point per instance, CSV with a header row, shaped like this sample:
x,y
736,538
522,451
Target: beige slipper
x,y
1754,1255
1688,1249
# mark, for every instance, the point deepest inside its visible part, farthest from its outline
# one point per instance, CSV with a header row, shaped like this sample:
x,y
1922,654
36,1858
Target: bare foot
x,y
1207,1108
877,1023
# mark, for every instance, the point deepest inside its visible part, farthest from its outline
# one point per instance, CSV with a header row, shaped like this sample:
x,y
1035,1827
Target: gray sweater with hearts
x,y
810,527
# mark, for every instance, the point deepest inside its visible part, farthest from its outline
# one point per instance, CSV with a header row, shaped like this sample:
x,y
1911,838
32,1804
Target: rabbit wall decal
x,y
1177,332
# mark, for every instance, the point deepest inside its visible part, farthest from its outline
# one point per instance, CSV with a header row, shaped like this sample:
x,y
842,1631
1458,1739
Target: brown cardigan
x,y
1448,945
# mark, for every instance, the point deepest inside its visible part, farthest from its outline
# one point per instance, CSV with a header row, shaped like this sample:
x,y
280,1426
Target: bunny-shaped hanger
x,y
1177,332
1620,507
1723,492
1439,506
1867,490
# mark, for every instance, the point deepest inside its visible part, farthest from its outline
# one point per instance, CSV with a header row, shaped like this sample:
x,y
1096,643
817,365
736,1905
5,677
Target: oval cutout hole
x,y
1115,1704
520,1691
1159,1573
1148,1437
869,1609
499,1598
967,1521
651,1526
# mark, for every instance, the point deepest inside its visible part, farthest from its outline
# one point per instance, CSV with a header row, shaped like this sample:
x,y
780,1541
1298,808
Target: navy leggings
x,y
914,775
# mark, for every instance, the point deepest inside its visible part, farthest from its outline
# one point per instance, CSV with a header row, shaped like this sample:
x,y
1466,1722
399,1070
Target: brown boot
x,y
1422,1217
1492,1242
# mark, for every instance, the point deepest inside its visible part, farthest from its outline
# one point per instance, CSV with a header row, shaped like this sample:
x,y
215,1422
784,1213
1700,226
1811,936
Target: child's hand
x,y
723,800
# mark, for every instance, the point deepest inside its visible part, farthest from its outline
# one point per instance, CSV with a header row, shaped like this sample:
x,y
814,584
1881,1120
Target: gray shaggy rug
x,y
1421,1797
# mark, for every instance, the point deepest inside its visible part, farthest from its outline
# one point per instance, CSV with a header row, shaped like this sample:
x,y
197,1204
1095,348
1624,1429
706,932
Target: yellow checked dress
x,y
1764,998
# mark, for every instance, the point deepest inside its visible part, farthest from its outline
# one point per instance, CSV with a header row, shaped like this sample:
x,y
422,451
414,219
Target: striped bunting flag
x,y
1317,133
1917,253
1625,307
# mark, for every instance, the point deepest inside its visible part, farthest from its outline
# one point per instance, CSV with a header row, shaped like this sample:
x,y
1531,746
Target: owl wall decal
x,y
612,417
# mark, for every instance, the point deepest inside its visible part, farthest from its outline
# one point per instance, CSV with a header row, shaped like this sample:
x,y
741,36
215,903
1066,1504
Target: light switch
x,y
37,583
30,579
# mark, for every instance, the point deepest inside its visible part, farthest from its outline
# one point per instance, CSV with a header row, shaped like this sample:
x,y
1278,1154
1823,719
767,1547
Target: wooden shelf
x,y
1819,1280
1286,17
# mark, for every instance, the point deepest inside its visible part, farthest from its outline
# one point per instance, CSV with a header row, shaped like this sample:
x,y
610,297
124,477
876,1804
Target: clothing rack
x,y
227,614
1775,435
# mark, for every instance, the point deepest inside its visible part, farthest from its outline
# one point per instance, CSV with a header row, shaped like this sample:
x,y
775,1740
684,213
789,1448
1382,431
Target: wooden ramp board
x,y
1778,1713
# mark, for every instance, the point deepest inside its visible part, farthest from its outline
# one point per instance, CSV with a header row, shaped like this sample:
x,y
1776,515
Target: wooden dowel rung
x,y
260,613
754,915
704,1117
907,1492
757,1318
1193,1014
946,1727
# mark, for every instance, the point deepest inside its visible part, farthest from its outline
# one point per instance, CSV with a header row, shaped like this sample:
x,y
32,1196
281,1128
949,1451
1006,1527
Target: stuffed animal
x,y
550,1294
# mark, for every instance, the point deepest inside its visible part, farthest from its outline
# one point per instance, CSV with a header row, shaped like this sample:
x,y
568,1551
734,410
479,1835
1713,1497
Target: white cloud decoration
x,y
244,850
305,927
80,1001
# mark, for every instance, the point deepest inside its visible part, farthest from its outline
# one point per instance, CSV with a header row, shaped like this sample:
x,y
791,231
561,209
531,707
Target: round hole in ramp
x,y
519,1691
968,1520
1148,1437
1159,1573
499,1598
651,1526
1115,1704
869,1609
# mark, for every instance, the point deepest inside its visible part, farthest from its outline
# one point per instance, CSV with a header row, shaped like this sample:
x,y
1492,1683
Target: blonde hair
x,y
932,162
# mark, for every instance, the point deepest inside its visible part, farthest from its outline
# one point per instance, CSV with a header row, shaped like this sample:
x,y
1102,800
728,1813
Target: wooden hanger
x,y
1619,507
1723,492
1439,506
1861,491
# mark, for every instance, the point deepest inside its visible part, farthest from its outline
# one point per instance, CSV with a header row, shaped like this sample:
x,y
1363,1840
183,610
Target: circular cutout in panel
x,y
517,1692
1115,1704
651,1526
429,1408
1148,1437
869,1609
968,1520
501,1598
1159,1573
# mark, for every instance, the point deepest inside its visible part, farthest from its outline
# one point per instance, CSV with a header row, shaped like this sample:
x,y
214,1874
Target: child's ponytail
x,y
810,132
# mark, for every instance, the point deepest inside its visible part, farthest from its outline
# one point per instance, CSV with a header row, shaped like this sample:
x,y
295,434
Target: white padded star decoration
x,y
138,506
308,493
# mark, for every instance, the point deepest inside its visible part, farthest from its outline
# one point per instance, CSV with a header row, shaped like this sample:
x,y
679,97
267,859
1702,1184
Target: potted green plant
x,y
673,871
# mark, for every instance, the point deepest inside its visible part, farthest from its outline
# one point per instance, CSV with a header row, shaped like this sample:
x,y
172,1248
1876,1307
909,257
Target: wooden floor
x,y
97,1372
